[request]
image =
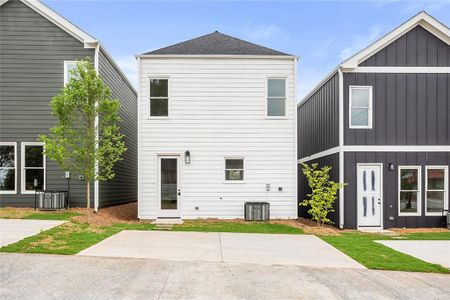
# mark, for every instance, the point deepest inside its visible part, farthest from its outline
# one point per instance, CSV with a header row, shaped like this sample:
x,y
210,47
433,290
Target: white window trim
x,y
285,99
168,97
67,62
225,169
22,167
419,191
15,168
436,167
370,113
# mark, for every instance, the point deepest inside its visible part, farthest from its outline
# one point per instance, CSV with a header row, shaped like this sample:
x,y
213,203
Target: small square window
x,y
159,97
360,106
234,169
276,97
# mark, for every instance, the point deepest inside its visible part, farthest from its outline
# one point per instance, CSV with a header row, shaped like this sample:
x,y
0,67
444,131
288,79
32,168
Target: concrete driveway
x,y
13,230
268,249
28,276
436,252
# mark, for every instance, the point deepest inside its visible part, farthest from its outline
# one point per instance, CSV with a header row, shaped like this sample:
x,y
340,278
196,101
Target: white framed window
x,y
436,190
33,167
360,107
234,169
68,66
8,168
159,97
276,97
409,190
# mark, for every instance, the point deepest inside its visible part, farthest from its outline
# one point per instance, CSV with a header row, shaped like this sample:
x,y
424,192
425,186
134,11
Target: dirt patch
x,y
15,212
417,230
122,214
309,226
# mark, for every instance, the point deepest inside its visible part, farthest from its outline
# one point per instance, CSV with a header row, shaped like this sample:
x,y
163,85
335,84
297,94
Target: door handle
x,y
379,201
179,193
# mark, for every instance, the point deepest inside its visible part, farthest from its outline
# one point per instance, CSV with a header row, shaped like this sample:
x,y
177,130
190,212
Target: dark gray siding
x,y
32,55
303,188
123,188
390,185
318,120
408,109
416,48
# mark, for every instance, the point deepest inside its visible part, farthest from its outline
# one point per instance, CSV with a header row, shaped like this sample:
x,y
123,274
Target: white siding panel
x,y
218,109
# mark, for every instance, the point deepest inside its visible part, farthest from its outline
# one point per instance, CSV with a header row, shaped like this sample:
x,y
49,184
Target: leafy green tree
x,y
323,193
86,138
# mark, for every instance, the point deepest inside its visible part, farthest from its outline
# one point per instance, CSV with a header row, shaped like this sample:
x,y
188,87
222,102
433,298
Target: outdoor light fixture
x,y
390,166
187,157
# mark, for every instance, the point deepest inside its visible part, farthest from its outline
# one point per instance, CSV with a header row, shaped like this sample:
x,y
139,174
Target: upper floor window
x,y
436,193
234,169
68,67
33,167
409,190
159,97
360,107
8,168
276,97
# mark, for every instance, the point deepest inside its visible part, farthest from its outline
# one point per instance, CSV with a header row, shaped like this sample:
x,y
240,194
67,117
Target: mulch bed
x,y
119,214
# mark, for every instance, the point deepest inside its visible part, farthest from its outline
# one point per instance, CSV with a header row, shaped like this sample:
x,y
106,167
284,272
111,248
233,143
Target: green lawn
x,y
247,227
362,248
69,238
425,236
13,213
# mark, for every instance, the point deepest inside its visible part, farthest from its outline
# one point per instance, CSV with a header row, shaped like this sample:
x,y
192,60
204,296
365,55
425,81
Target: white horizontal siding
x,y
218,109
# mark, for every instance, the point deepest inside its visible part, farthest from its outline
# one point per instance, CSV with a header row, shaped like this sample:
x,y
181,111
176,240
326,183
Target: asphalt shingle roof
x,y
215,43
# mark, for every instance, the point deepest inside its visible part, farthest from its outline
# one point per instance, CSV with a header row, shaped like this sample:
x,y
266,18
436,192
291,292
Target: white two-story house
x,y
217,128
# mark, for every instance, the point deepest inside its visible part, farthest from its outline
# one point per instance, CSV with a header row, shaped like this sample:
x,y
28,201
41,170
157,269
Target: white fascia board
x,y
217,56
319,85
3,2
396,148
417,70
425,20
88,40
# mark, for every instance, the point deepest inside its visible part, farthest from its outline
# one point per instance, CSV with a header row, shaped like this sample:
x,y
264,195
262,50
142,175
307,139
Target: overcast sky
x,y
321,33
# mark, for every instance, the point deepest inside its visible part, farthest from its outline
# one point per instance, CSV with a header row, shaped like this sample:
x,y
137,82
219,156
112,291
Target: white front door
x,y
369,195
169,186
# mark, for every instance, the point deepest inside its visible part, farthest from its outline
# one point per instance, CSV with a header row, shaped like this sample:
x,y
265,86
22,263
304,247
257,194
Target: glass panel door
x,y
169,183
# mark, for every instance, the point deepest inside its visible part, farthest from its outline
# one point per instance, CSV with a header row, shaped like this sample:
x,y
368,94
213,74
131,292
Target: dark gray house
x,y
381,120
38,47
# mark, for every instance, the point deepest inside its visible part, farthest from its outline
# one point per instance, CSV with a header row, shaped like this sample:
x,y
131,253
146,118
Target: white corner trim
x,y
425,20
88,40
341,144
319,155
395,148
437,70
14,144
295,206
138,62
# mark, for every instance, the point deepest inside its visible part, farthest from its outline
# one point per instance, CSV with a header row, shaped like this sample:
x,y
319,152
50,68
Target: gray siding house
x,y
37,49
381,120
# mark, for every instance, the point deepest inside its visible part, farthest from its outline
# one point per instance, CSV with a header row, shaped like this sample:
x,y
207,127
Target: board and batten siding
x,y
123,188
218,109
417,48
32,55
318,120
408,109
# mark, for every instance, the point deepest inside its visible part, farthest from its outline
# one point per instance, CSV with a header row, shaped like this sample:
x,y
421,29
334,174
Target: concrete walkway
x,y
27,276
436,252
14,230
268,249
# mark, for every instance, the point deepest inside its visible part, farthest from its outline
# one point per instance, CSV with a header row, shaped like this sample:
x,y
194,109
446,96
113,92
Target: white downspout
x,y
341,146
96,183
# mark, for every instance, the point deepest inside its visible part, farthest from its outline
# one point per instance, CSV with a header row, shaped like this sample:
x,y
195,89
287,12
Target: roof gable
x,y
215,43
422,19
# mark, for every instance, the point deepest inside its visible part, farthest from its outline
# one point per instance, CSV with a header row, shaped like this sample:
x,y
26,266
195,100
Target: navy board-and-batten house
x,y
381,120
38,47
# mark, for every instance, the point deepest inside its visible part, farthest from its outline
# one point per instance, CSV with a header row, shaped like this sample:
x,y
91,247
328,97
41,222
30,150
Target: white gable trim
x,y
425,20
3,2
88,40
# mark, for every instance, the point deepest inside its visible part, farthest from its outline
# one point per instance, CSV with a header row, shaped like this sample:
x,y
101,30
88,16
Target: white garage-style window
x,y
33,167
409,182
68,67
234,169
436,193
360,114
276,97
159,97
8,163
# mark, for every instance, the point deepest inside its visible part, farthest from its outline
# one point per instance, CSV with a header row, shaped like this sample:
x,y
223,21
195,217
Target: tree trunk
x,y
88,194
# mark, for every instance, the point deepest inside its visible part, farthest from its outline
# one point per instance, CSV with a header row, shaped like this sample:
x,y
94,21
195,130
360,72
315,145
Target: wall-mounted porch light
x,y
187,157
391,167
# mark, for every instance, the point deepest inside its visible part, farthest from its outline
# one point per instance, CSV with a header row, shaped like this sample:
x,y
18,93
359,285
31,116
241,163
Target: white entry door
x,y
369,198
169,186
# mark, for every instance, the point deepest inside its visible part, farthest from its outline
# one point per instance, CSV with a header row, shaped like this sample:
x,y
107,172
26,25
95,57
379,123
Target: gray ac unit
x,y
257,211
